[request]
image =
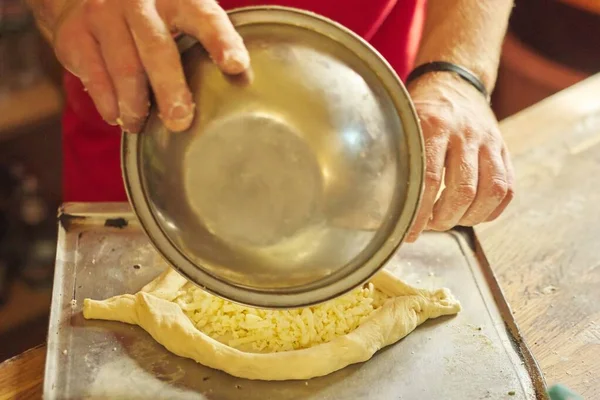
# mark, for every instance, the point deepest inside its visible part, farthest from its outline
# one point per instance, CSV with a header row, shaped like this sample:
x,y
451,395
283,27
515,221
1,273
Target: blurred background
x,y
551,45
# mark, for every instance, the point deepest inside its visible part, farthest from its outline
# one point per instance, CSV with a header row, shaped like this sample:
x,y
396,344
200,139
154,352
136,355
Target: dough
x,y
154,309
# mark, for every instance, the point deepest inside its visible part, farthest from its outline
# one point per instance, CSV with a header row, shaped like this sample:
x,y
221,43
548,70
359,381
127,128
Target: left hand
x,y
461,134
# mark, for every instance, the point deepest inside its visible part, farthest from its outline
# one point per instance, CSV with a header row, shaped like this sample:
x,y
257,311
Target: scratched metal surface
x,y
469,356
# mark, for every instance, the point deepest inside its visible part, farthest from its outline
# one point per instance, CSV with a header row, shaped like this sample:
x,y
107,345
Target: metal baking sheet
x,y
102,252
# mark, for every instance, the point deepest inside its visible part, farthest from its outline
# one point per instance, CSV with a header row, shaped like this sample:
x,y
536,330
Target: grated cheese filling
x,y
269,331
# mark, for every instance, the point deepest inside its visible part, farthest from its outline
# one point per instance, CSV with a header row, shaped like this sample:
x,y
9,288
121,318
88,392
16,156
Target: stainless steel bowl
x,y
296,181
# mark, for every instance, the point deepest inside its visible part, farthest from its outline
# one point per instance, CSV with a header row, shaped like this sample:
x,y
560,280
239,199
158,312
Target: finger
x,y
435,156
491,189
209,23
123,65
461,186
160,58
510,192
80,54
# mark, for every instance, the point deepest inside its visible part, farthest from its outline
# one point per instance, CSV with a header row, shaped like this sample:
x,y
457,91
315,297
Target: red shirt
x,y
91,148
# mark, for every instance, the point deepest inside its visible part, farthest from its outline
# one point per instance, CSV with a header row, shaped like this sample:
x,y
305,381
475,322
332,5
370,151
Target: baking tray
x,y
478,354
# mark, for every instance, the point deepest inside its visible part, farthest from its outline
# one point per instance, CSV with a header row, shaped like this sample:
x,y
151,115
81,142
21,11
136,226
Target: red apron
x,y
92,169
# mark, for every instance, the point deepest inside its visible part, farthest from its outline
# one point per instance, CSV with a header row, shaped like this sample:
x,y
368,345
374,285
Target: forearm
x,y
466,32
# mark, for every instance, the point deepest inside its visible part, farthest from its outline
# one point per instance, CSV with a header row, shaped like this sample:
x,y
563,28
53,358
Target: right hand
x,y
118,47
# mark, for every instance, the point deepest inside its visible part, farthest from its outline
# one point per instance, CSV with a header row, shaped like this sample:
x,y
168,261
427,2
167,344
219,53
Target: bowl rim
x,y
280,298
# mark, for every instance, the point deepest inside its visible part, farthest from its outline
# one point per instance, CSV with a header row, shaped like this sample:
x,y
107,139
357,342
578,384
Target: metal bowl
x,y
296,181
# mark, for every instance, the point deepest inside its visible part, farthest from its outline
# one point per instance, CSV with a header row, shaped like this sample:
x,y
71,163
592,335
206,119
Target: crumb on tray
x,y
549,289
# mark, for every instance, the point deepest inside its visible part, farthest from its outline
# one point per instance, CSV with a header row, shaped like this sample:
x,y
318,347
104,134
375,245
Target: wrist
x,y
484,71
468,33
446,87
452,69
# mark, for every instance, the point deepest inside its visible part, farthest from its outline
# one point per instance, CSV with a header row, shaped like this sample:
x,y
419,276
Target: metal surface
x,y
295,182
477,354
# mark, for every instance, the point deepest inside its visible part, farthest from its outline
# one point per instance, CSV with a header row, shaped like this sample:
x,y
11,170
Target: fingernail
x,y
180,117
119,122
131,125
180,111
235,61
132,115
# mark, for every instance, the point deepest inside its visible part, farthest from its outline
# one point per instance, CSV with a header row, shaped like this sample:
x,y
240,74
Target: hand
x,y
461,135
117,47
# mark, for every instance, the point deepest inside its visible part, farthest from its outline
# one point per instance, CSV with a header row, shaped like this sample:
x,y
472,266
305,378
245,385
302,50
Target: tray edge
x,y
467,238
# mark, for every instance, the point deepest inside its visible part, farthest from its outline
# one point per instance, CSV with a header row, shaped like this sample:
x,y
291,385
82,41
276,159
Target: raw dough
x,y
154,310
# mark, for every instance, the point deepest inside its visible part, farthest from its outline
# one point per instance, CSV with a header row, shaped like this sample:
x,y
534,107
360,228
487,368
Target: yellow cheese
x,y
269,331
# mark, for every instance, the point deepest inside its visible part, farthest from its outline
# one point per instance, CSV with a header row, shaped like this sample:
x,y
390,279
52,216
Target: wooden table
x,y
545,250
22,376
